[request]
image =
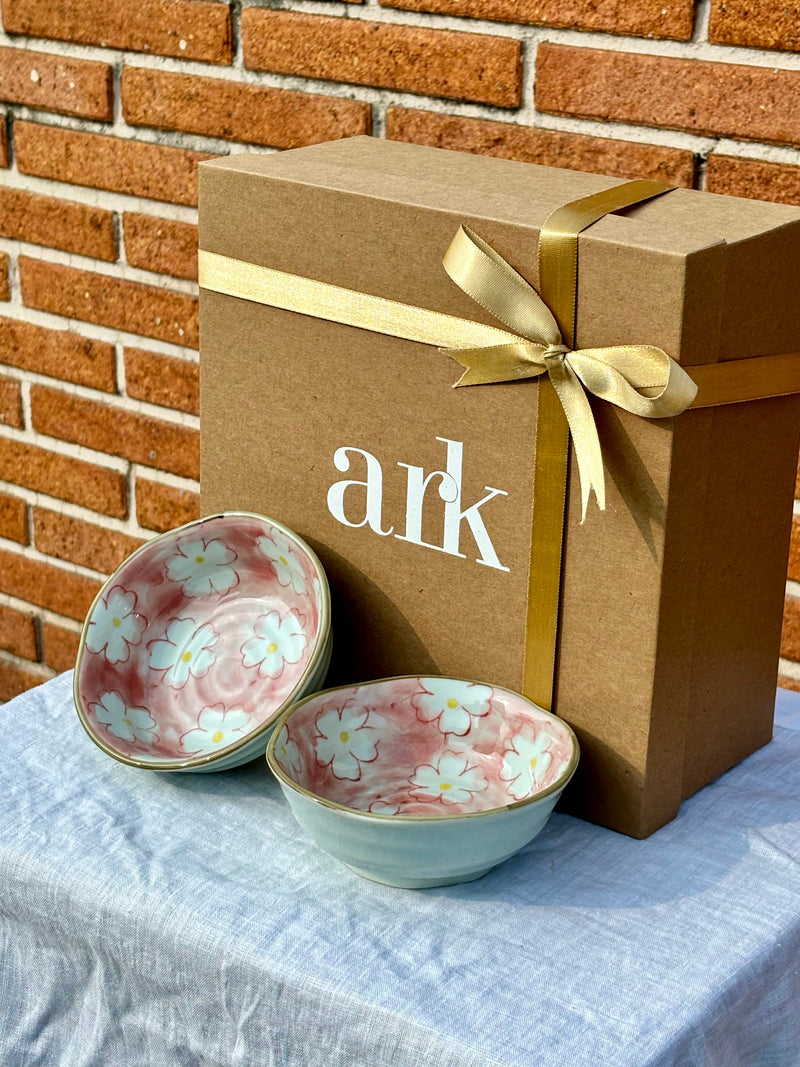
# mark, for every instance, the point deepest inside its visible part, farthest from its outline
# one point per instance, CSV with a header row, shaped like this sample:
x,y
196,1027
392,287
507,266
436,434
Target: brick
x,y
794,550
188,29
63,477
551,148
256,114
788,683
60,646
15,680
163,507
462,66
3,141
164,380
56,223
753,178
721,99
161,245
54,588
59,354
767,24
107,301
111,429
5,284
13,519
157,172
10,403
18,633
80,542
790,636
636,18
56,83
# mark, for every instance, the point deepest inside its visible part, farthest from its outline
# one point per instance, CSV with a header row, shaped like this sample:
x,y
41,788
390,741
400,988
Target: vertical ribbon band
x,y
558,287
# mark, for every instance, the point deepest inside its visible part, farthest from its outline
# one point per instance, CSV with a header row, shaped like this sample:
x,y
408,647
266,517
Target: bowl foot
x,y
421,883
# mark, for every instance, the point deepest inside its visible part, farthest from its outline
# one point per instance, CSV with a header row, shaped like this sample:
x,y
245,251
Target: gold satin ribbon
x,y
639,378
731,382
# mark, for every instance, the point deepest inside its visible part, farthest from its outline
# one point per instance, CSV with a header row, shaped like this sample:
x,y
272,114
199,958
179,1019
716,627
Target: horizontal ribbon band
x,y
732,382
635,377
291,292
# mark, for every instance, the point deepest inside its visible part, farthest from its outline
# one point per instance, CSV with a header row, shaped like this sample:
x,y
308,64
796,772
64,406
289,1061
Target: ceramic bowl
x,y
199,640
418,782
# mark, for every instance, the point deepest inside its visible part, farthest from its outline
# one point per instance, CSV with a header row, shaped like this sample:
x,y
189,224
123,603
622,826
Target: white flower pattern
x,y
287,752
203,567
115,626
453,703
275,641
525,764
452,780
128,724
288,568
345,741
217,726
185,651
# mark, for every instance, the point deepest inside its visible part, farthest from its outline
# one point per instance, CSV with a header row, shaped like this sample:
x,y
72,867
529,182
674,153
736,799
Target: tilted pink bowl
x,y
421,781
199,640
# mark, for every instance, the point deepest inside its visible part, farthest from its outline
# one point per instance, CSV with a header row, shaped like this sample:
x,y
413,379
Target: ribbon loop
x,y
638,378
484,275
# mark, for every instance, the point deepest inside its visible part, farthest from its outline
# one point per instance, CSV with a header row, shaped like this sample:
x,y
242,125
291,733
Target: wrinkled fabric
x,y
186,921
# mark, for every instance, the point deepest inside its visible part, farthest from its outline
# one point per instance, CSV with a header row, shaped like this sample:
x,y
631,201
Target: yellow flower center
x,y
533,761
116,622
199,559
344,736
284,560
217,736
272,647
127,722
445,786
452,703
186,656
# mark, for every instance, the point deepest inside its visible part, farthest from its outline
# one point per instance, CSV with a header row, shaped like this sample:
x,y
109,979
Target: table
x,y
186,920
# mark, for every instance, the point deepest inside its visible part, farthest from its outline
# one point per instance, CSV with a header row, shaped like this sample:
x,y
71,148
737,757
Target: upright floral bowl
x,y
199,640
418,782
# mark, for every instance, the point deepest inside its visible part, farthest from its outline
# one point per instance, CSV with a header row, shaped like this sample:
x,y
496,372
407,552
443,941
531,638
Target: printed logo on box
x,y
417,483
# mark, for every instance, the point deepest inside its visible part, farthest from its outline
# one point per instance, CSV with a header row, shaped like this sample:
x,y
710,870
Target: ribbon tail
x,y
583,429
498,363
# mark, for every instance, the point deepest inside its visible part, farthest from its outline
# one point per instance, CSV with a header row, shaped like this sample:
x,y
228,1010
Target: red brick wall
x,y
110,104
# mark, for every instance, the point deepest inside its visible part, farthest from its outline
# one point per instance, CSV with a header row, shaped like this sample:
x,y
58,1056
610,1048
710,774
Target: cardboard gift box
x,y
438,512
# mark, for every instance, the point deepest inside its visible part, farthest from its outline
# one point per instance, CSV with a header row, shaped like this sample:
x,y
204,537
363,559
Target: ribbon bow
x,y
639,378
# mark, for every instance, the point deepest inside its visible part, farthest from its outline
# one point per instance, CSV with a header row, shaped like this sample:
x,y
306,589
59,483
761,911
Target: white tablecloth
x,y
186,920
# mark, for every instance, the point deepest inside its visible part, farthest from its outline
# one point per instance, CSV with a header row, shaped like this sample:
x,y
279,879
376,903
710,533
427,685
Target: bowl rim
x,y
562,780
191,762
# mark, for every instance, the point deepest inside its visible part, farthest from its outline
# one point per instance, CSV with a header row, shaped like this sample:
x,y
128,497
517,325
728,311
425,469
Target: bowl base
x,y
421,883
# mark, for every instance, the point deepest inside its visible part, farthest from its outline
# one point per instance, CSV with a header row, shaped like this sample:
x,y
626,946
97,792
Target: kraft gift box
x,y
422,500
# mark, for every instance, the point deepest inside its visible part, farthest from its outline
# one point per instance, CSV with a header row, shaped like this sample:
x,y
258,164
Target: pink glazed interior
x,y
424,746
199,638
